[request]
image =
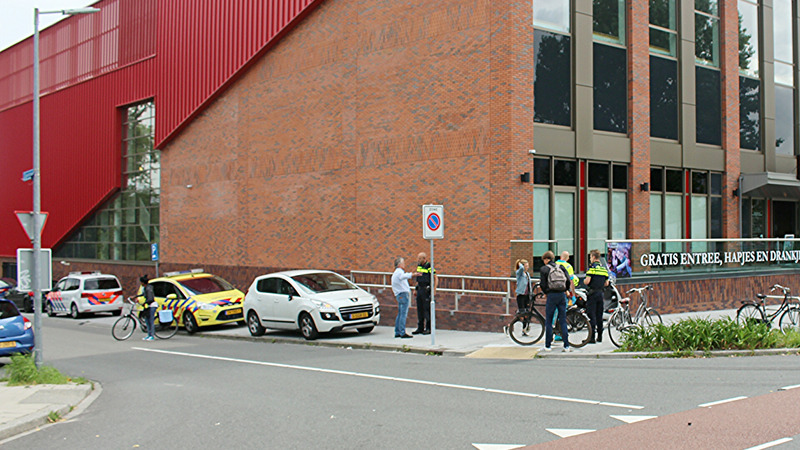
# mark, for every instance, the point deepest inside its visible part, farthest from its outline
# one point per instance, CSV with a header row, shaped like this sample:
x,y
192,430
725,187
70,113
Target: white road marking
x,y
388,378
497,446
567,432
633,419
719,402
786,388
770,444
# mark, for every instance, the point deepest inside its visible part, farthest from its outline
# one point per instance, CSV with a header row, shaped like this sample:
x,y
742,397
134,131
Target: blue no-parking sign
x,y
432,222
153,252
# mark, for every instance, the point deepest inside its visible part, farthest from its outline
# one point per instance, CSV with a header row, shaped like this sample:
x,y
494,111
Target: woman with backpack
x,y
554,282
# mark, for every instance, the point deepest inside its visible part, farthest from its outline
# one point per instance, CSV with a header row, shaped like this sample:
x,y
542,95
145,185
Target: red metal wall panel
x,y
204,44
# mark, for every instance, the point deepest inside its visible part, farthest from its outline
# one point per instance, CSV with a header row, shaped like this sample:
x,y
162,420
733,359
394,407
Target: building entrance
x,y
784,218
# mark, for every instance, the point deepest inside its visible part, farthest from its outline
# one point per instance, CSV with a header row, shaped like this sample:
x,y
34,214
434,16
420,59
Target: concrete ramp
x,y
505,352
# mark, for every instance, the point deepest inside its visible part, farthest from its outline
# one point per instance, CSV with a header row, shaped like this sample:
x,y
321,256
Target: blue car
x,y
16,331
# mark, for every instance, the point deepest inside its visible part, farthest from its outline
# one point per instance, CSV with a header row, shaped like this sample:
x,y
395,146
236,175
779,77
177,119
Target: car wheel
x,y
73,311
366,330
190,323
254,324
50,311
307,327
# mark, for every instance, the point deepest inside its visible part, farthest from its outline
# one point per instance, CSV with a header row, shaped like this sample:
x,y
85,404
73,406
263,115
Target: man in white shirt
x,y
402,291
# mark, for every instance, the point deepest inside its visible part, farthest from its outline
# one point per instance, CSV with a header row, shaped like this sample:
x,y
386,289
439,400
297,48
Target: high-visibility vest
x,y
570,271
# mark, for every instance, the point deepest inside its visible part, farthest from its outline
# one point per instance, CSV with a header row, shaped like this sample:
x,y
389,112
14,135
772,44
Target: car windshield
x,y
7,310
324,282
206,285
105,284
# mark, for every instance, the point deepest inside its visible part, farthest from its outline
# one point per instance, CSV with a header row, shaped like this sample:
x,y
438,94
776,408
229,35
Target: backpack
x,y
556,279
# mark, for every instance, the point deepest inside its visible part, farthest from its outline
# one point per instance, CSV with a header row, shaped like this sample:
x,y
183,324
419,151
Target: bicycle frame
x,y
785,302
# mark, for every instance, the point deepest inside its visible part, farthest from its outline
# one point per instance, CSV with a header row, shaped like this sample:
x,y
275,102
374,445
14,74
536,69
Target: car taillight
x,y
28,323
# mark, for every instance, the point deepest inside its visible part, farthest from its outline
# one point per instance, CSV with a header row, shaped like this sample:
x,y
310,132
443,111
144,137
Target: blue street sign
x,y
27,175
154,252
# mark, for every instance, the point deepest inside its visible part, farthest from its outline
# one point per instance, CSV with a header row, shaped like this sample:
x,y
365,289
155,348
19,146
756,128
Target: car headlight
x,y
323,306
205,306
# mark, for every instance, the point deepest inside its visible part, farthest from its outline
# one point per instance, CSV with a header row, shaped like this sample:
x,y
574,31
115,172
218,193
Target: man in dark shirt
x,y
423,295
149,307
556,299
596,279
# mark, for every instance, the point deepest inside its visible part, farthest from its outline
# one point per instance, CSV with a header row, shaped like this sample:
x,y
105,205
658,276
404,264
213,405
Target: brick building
x,y
308,133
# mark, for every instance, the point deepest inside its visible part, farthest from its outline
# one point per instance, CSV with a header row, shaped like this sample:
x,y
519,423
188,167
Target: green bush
x,y
23,371
705,335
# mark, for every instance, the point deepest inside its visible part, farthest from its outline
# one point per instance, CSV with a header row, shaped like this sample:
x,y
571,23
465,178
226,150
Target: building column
x,y
511,128
729,48
638,20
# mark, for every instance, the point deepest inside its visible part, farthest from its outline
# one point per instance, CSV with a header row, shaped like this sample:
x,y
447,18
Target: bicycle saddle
x,y
761,296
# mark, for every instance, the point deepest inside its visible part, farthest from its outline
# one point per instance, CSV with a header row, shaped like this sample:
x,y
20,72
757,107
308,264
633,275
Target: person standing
x,y
424,294
554,281
523,289
574,281
150,306
402,292
596,279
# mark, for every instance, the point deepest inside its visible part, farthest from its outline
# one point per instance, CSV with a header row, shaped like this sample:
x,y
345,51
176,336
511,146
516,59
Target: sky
x,y
16,17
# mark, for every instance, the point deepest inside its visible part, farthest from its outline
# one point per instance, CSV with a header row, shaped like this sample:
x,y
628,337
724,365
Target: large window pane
x,y
619,205
620,176
663,27
552,85
541,171
673,222
541,213
663,98
709,116
663,42
565,173
782,19
597,216
655,221
610,89
748,38
784,121
758,220
674,180
749,113
706,45
552,14
662,14
699,222
565,217
609,20
598,175
716,217
784,73
707,6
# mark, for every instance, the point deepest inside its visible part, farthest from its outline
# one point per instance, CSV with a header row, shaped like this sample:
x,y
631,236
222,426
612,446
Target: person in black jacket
x,y
556,299
149,307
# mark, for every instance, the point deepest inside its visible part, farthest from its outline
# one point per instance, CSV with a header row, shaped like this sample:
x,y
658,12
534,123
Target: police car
x,y
85,293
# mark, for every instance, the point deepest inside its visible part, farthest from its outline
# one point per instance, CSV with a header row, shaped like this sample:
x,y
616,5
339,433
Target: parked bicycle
x,y
527,326
165,326
621,320
756,311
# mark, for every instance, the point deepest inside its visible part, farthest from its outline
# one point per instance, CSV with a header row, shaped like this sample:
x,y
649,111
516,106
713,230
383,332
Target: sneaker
x,y
567,350
149,338
557,338
548,349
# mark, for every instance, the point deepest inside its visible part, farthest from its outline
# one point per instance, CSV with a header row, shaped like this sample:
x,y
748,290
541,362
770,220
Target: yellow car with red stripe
x,y
198,299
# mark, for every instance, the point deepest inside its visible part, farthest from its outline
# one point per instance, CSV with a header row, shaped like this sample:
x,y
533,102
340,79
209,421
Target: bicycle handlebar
x,y
639,290
785,290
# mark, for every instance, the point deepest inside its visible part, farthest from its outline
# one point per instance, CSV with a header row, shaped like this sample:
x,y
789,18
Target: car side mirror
x,y
171,297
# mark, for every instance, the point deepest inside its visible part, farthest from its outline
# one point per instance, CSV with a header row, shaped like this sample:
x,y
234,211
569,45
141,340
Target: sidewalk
x,y
25,408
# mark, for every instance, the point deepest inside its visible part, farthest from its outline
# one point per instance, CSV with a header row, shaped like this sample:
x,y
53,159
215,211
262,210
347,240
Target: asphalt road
x,y
199,392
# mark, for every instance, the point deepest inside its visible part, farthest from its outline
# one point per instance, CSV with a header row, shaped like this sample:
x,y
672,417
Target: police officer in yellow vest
x,y
575,281
596,279
423,295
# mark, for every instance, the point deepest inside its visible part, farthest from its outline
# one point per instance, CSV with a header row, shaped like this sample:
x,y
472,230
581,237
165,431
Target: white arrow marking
x,y
566,432
771,444
496,446
633,419
727,400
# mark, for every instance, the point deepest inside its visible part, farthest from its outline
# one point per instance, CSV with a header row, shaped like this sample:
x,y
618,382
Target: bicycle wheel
x,y
651,317
616,327
123,328
526,330
790,320
165,330
750,313
579,328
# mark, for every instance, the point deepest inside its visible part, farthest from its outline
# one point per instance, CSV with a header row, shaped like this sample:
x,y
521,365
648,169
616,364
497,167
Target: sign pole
x,y
433,302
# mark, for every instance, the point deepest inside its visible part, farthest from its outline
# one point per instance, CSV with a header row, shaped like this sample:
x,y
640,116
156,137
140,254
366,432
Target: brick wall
x,y
638,21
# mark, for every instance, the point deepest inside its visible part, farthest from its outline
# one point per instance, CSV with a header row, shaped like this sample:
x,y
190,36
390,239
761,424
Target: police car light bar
x,y
96,272
183,272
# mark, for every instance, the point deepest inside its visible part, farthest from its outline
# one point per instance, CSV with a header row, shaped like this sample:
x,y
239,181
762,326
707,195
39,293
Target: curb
x,y
17,427
646,355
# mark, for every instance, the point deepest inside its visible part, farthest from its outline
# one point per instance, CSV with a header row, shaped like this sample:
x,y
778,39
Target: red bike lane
x,y
738,424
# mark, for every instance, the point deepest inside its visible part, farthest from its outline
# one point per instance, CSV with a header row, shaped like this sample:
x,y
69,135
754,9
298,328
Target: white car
x,y
85,292
313,301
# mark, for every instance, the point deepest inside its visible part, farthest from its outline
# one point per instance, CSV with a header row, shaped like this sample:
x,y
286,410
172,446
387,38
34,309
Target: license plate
x,y
360,315
231,312
8,344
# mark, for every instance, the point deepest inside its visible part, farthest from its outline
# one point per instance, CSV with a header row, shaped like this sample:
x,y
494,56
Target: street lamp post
x,y
37,198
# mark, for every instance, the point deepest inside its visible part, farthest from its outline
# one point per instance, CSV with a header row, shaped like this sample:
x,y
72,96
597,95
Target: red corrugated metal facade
x,y
179,52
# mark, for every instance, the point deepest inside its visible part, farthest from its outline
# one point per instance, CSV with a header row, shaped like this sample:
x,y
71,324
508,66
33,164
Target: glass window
x,y
656,179
541,213
663,98
784,120
610,89
655,221
597,219
541,171
609,20
598,175
619,207
699,183
565,173
126,225
699,222
553,15
716,216
716,184
749,113
674,181
620,176
663,27
748,38
565,218
673,217
552,85
758,218
708,100
706,30
784,73
782,19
